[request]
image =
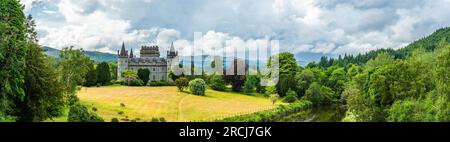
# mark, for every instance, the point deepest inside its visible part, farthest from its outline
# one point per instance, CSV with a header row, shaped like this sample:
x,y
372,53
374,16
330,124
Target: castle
x,y
149,59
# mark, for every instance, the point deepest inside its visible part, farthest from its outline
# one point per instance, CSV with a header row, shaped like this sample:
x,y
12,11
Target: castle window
x,y
153,69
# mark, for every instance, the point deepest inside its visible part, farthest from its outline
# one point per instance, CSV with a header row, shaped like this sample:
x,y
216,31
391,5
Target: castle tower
x,y
131,53
171,54
122,63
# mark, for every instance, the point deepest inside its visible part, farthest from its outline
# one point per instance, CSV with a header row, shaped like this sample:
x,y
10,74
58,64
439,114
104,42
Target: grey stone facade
x,y
149,59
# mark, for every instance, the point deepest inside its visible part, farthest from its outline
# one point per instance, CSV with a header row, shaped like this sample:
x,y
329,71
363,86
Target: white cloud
x,y
404,27
319,26
95,30
166,37
217,43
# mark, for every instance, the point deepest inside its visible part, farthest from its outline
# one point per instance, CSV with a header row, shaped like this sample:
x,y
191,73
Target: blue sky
x,y
302,26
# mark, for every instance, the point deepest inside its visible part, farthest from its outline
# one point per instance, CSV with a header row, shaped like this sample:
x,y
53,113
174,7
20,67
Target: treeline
x,y
409,84
248,84
359,59
413,89
33,86
100,74
428,44
272,115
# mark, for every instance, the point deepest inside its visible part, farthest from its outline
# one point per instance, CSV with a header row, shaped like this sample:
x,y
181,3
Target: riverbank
x,y
330,113
271,115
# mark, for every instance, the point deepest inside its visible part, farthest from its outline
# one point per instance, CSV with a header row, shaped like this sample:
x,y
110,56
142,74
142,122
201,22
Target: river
x,y
317,114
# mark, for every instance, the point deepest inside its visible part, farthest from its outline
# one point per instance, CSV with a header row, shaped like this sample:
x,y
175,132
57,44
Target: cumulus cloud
x,y
317,26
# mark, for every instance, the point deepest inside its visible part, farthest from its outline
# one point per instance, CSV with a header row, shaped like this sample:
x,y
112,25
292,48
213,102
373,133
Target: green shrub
x,y
94,109
73,99
272,115
144,75
250,84
119,82
161,83
137,82
114,120
80,113
270,90
197,87
132,79
408,111
291,96
320,94
181,83
6,118
154,119
217,83
285,82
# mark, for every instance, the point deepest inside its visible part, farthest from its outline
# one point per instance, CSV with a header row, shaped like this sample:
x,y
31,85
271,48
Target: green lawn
x,y
147,102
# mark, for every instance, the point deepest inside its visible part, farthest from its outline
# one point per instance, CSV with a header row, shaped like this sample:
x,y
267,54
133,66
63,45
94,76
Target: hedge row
x,y
273,114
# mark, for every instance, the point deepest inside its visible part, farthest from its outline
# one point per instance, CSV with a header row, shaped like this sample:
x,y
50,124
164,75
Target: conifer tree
x,y
12,55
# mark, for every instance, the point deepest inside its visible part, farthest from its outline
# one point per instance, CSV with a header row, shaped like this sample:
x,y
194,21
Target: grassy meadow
x,y
145,103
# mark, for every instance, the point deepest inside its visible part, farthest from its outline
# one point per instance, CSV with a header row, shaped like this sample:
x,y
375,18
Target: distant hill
x,y
428,43
302,58
94,55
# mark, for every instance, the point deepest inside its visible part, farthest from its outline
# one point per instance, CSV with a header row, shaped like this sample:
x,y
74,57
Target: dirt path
x,y
179,117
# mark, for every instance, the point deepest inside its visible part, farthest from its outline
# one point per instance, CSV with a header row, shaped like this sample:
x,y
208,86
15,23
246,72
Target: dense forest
x,y
409,84
33,86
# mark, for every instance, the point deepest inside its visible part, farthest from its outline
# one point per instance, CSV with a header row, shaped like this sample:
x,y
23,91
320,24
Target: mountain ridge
x,y
94,55
428,43
302,58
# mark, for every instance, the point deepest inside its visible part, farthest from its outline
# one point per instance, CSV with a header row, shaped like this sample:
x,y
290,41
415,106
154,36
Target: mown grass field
x,y
147,102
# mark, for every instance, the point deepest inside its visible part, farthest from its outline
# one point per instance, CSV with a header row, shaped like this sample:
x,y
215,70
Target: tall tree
x,y
113,68
103,73
216,82
236,80
443,83
287,63
91,75
250,84
43,89
73,67
285,83
337,80
287,69
12,55
304,79
144,75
